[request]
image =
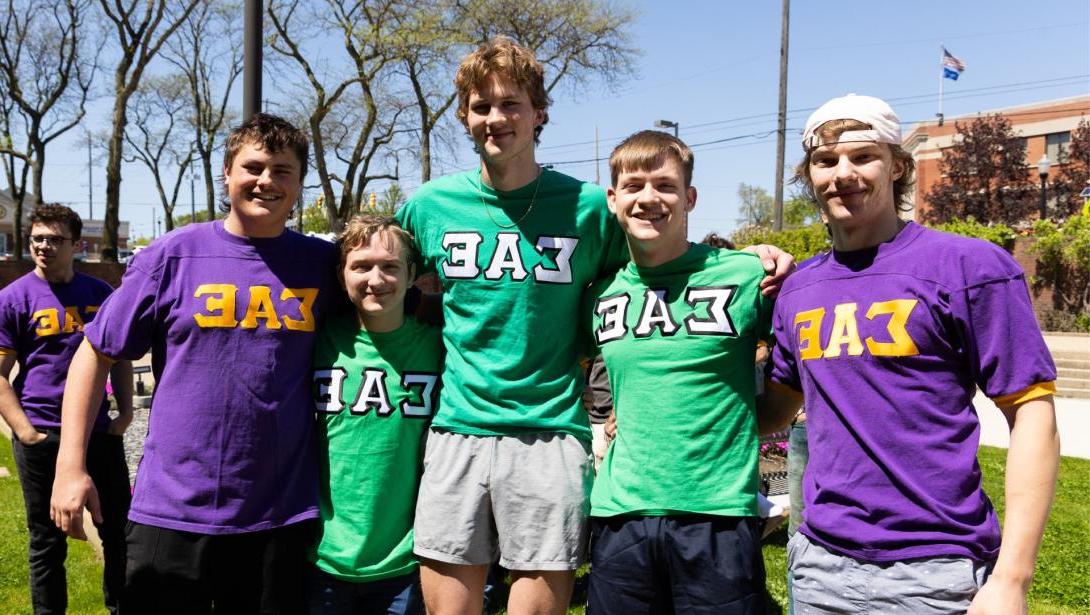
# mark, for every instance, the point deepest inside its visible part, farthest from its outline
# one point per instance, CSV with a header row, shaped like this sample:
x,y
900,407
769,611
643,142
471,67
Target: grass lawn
x,y
84,567
1060,586
1063,566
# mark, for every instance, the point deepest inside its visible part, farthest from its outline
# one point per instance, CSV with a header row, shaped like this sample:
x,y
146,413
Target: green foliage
x,y
184,219
999,234
802,243
799,211
1059,583
1074,174
758,208
1063,263
390,200
983,175
84,568
755,206
314,217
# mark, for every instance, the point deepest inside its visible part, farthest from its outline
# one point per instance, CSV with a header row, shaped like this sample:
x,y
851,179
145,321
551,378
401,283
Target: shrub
x,y
999,234
802,243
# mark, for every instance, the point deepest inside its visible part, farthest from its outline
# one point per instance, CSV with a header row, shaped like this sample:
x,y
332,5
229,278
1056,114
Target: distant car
x,y
124,256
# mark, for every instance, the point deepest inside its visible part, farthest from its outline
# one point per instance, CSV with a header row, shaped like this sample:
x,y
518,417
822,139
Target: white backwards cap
x,y
885,125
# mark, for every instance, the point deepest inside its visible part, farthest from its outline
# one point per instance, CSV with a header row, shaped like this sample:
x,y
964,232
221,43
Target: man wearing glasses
x,y
41,324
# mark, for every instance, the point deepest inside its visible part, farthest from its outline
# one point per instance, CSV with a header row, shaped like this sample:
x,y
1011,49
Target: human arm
x,y
73,488
1032,464
10,408
776,407
777,265
121,380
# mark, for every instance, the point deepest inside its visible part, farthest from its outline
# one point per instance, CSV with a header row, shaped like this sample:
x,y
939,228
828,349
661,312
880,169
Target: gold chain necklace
x,y
533,200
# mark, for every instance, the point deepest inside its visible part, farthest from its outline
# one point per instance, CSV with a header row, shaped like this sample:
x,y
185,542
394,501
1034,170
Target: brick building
x,y
1045,126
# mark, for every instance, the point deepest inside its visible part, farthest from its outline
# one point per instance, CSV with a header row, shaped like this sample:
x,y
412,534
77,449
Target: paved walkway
x,y
1072,420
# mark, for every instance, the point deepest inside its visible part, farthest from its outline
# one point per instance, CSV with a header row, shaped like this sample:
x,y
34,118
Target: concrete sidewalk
x,y
1072,420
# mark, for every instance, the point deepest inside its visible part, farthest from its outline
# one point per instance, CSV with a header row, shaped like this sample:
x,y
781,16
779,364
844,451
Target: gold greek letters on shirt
x,y
220,301
49,320
844,334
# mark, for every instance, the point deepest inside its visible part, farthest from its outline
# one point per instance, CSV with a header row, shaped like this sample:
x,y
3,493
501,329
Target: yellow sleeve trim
x,y
785,390
7,351
1031,392
100,355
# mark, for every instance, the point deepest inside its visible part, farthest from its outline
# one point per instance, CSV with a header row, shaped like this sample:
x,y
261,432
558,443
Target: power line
x,y
929,97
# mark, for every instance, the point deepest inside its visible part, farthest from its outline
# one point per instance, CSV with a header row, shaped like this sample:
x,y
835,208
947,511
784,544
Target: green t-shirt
x,y
679,342
375,394
512,288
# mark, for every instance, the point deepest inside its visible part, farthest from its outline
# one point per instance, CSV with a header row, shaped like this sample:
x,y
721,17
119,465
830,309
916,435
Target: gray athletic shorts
x,y
825,582
525,498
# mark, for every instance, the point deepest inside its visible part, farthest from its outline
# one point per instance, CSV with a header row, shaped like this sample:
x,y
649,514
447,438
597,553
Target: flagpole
x,y
942,77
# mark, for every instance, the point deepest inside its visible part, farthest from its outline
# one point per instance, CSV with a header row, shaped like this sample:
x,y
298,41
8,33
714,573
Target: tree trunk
x,y
113,179
425,154
209,186
37,163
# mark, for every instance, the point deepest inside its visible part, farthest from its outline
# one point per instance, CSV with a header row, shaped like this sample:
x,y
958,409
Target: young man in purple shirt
x,y
42,315
228,485
888,337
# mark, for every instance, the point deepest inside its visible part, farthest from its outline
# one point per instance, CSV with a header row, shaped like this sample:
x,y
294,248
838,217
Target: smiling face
x,y
262,187
651,206
501,121
853,183
51,247
376,277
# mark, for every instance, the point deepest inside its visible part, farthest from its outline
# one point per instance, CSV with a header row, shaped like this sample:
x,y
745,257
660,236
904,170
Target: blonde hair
x,y
360,229
831,131
649,149
504,57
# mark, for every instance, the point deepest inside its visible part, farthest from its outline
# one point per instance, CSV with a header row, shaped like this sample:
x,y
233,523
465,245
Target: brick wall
x,y
1042,297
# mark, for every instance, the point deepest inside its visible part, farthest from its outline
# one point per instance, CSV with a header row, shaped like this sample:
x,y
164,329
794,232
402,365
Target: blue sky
x,y
713,68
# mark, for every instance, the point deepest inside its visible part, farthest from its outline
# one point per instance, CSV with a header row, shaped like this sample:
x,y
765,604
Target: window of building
x,y
1057,146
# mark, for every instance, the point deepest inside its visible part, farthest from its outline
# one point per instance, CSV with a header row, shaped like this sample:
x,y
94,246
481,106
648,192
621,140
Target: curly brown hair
x,y
55,213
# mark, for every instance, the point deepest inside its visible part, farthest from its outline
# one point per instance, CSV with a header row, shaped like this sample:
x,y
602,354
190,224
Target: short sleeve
x,y
408,216
615,247
124,325
9,328
765,310
1004,345
782,366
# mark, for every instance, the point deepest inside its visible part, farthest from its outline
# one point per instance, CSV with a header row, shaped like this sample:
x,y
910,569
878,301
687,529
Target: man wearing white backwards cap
x,y
888,337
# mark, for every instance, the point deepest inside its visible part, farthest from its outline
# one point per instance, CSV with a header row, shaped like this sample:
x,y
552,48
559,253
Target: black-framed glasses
x,y
50,240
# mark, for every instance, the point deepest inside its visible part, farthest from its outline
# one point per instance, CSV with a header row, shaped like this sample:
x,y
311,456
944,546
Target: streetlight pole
x,y
251,71
667,124
90,183
192,205
781,123
1042,170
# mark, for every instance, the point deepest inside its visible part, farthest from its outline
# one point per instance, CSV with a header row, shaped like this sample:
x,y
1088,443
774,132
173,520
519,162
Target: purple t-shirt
x,y
231,325
42,324
888,346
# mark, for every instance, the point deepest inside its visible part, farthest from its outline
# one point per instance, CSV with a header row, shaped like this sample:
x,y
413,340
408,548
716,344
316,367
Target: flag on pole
x,y
951,66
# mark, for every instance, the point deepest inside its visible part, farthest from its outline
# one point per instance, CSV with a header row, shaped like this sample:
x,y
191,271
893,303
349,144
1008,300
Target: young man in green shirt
x,y
674,507
508,467
376,382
